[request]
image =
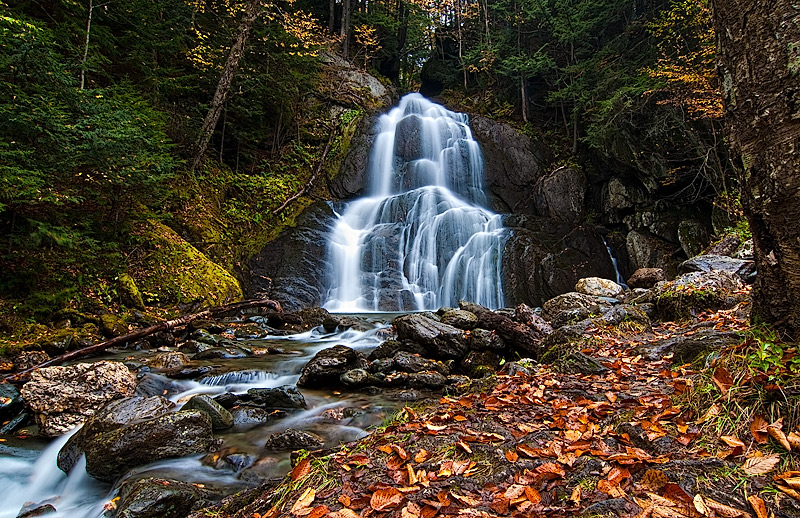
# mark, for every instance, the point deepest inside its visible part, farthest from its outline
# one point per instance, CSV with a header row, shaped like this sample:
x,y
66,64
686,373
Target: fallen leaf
x,y
759,429
700,505
789,491
344,500
794,440
344,513
512,456
775,431
732,441
576,494
319,511
718,509
758,506
723,380
385,499
533,496
712,412
301,507
761,465
301,469
421,456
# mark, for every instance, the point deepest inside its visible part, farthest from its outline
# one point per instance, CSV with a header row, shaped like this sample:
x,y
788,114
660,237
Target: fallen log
x,y
167,325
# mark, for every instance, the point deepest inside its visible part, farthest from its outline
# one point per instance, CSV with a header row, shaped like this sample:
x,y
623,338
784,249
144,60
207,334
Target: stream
x,y
28,471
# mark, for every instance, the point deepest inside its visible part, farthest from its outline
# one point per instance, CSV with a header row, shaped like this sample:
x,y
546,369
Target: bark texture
x,y
758,46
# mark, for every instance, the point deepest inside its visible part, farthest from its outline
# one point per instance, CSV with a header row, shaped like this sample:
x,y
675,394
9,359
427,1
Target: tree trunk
x,y
86,44
758,52
331,15
251,13
347,8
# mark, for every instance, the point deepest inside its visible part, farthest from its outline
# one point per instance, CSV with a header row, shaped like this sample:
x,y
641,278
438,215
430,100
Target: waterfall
x,y
421,238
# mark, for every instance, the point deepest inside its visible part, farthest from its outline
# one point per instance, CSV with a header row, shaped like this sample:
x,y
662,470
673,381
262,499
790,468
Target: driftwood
x,y
141,333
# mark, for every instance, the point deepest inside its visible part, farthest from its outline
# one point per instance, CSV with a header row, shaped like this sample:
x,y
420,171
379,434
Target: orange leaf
x,y
759,430
301,507
758,506
344,500
319,511
775,431
385,499
794,440
512,456
611,397
732,441
533,496
723,380
302,469
421,456
400,451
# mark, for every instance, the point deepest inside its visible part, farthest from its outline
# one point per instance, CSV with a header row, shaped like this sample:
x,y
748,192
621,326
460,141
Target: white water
x,y
421,238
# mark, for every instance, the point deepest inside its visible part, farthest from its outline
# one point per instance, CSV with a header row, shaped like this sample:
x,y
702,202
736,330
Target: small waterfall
x,y
619,280
422,237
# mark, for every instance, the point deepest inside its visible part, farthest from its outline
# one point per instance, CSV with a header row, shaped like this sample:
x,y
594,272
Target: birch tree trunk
x,y
758,48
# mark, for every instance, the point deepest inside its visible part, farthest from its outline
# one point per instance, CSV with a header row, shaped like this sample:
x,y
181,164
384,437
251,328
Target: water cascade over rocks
x,y
422,237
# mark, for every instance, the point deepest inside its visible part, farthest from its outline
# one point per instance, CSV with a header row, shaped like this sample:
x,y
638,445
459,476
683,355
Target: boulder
x,y
111,416
646,277
169,360
480,363
63,397
111,454
429,380
325,368
221,419
725,246
693,237
407,362
598,287
460,319
285,396
694,292
515,335
688,348
705,263
10,401
389,348
358,378
245,415
291,439
648,251
572,306
157,385
483,339
312,317
559,195
441,341
27,359
160,498
129,293
112,325
220,353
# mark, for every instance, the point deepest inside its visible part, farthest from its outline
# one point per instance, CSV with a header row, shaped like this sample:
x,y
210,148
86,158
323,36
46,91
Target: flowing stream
x,y
422,237
29,475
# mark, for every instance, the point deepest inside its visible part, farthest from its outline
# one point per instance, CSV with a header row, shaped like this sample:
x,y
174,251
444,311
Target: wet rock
x,y
38,510
524,314
160,498
407,362
228,459
705,263
111,416
220,353
460,319
245,415
646,277
441,341
155,385
110,454
10,401
191,372
624,312
249,331
312,317
358,378
559,195
292,439
169,360
694,292
515,334
483,339
220,418
693,237
725,246
687,349
285,396
381,365
325,368
429,380
598,287
396,379
12,425
194,347
63,397
389,348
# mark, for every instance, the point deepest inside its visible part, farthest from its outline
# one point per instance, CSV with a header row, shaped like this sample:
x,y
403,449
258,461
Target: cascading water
x,y
421,238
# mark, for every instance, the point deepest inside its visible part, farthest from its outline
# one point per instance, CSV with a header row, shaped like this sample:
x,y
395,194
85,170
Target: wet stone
x,y
220,417
220,353
286,396
244,415
427,380
292,439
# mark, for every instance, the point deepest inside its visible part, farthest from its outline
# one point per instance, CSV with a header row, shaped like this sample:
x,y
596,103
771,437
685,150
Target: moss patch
x,y
170,270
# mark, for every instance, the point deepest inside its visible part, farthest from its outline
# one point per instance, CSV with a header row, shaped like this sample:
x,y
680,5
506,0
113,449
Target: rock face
x,y
441,341
514,162
544,258
325,368
290,267
352,176
559,195
63,397
648,251
686,349
110,454
705,263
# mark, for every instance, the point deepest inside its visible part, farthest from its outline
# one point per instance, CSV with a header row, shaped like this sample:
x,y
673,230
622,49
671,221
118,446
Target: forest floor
x,y
640,438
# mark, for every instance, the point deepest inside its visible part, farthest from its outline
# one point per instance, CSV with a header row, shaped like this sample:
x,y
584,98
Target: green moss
x,y
128,292
170,270
682,302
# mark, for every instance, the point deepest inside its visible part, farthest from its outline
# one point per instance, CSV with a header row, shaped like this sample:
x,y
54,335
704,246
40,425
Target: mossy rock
x,y
129,293
173,271
112,325
692,293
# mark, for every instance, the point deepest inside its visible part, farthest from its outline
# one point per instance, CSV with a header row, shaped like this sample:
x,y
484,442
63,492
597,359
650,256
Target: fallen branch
x,y
311,180
141,333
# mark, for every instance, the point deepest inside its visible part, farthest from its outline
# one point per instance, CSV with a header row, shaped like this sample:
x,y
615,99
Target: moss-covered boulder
x,y
112,325
129,293
694,292
170,270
